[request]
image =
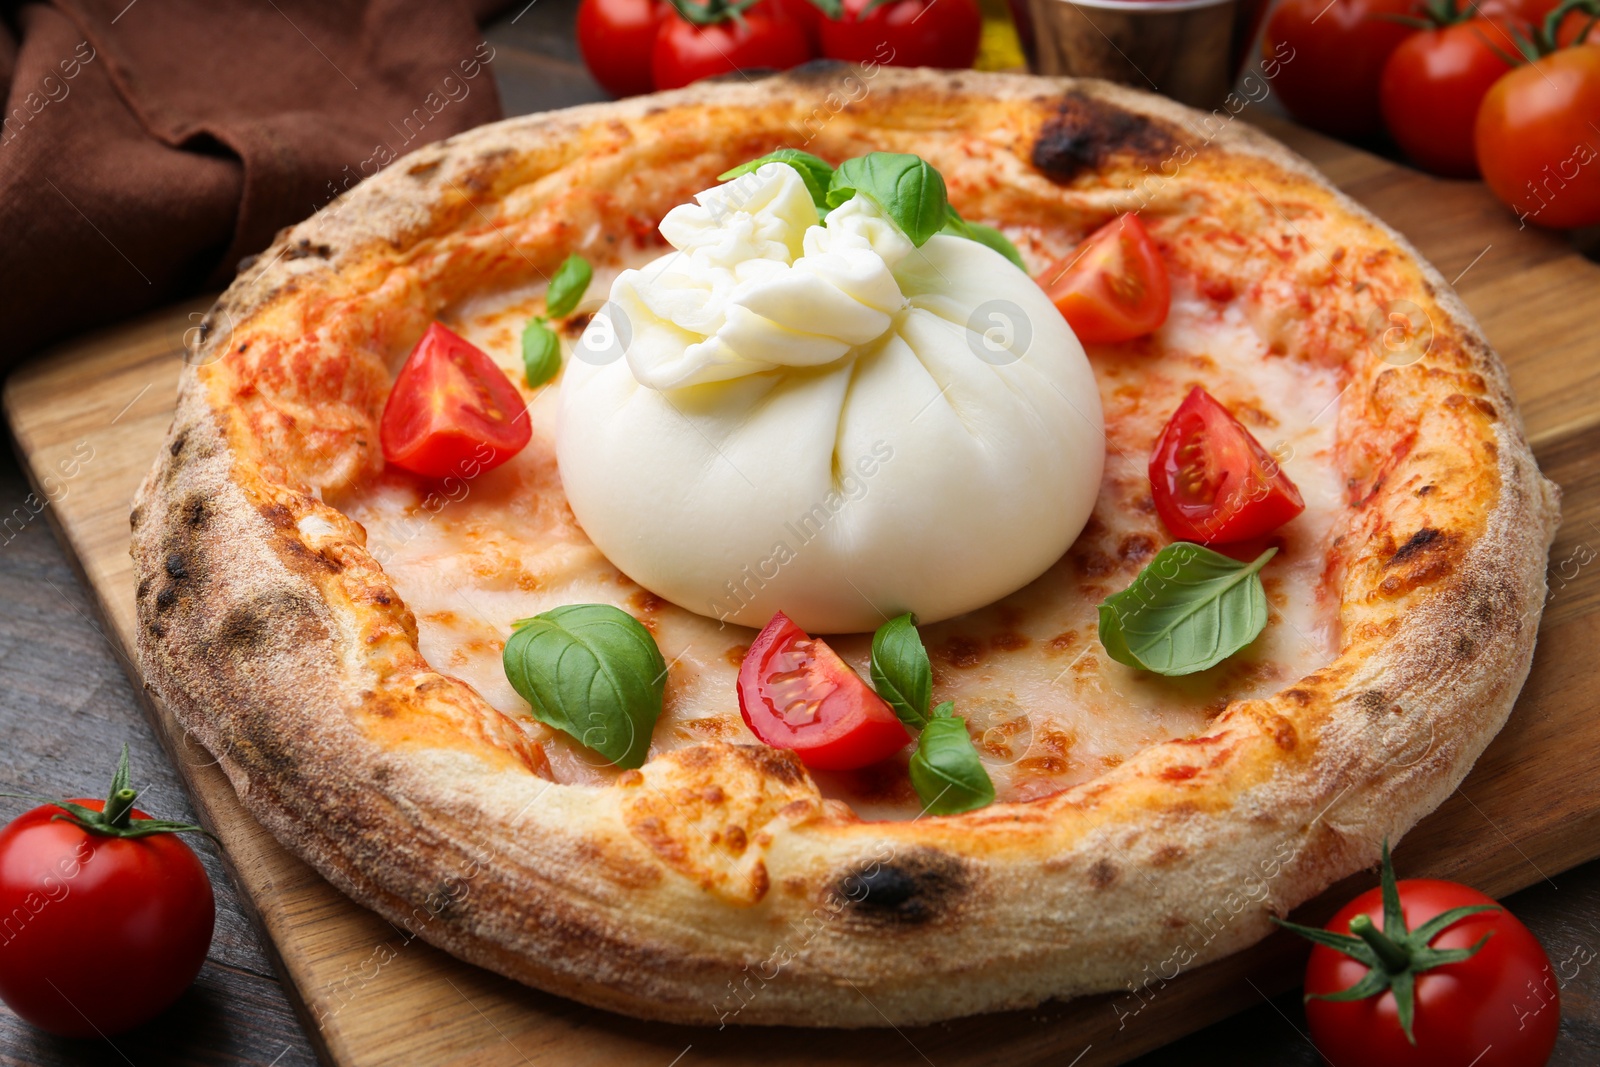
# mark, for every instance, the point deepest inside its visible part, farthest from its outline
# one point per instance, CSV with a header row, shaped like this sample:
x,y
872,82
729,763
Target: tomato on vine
x,y
1435,80
905,33
1451,977
701,40
111,913
1337,50
616,39
1534,135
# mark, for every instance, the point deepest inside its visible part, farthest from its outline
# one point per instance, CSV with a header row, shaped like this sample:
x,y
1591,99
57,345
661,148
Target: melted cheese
x,y
1045,704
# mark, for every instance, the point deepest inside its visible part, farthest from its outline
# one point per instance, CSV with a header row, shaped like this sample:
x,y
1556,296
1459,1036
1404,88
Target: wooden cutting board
x,y
89,416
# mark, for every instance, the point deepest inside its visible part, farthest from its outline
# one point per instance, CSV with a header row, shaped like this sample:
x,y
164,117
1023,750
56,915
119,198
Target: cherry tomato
x,y
616,38
1535,140
1329,57
764,38
1113,286
1213,482
451,411
102,932
1493,1005
905,33
810,18
1432,86
796,693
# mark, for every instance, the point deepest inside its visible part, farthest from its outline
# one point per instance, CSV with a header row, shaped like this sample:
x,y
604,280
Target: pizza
x,y
1168,525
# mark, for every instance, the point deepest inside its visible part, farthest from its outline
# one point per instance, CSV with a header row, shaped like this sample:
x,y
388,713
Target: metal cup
x,y
1189,50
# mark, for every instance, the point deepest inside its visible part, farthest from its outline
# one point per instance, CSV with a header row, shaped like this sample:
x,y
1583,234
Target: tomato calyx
x,y
1394,955
1547,37
712,12
116,819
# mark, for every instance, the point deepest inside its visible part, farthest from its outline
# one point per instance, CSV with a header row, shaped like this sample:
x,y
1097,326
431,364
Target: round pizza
x,y
849,547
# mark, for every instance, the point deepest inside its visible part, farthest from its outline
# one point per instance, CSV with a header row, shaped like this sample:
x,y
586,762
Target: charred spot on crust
x,y
1417,543
303,249
177,443
1103,874
166,598
274,620
1373,701
195,511
177,568
1085,133
909,890
779,763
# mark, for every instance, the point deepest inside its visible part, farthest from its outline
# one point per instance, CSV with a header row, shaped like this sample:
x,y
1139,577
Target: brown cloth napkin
x,y
147,147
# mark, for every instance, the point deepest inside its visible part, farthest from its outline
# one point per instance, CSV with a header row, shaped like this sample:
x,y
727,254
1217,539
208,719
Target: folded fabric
x,y
147,146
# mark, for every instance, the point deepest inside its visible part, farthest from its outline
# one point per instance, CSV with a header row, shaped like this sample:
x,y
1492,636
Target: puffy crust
x,y
716,884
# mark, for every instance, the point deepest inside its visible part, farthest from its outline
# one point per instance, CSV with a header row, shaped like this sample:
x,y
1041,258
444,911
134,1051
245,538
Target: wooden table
x,y
66,706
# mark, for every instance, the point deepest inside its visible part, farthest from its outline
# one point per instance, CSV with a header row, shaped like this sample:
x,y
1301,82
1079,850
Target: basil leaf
x,y
593,672
567,287
541,353
900,670
1189,609
815,172
988,236
945,769
906,187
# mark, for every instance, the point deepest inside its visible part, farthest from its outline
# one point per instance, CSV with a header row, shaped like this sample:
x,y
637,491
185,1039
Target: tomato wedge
x,y
1114,286
1213,482
451,411
796,693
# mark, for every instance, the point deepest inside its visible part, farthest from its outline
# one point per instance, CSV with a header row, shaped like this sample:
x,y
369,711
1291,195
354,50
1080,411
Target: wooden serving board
x,y
89,417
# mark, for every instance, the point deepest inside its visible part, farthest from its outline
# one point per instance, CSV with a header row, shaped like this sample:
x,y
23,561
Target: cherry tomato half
x,y
1213,482
451,411
102,932
1432,86
1536,143
1114,286
616,39
1330,56
796,693
1498,1008
764,37
905,33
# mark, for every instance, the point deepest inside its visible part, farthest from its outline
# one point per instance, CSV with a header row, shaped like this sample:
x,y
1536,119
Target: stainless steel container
x,y
1189,50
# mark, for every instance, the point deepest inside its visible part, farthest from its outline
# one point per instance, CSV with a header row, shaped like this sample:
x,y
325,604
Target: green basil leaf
x,y
945,769
1189,609
900,670
593,672
988,236
567,287
541,353
815,172
906,187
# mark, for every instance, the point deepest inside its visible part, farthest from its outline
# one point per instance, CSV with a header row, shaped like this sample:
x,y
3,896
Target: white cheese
x,y
820,418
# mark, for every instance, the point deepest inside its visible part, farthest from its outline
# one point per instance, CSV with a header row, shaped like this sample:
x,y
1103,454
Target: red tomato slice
x,y
1211,479
451,411
796,693
1114,286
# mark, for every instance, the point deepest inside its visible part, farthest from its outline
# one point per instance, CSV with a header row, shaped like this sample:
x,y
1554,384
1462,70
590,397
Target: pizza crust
x,y
716,885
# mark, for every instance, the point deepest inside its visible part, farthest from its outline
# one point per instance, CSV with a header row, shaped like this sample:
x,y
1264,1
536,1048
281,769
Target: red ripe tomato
x,y
1578,26
1497,1007
905,33
796,693
1330,57
810,18
616,38
103,932
765,37
1212,481
451,411
1432,86
1536,141
1114,286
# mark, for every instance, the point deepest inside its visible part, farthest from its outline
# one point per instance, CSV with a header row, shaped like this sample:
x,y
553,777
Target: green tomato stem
x,y
1390,953
119,808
